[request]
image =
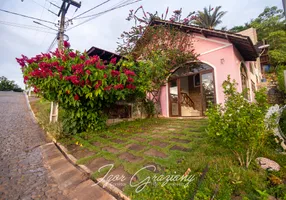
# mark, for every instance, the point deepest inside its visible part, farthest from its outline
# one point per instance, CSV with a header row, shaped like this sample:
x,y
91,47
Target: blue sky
x,y
102,32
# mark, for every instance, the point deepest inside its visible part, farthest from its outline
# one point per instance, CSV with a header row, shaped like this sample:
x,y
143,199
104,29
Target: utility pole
x,y
62,14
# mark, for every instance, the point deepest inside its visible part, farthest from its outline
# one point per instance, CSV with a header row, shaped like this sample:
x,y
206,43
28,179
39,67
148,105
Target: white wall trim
x,y
212,40
216,49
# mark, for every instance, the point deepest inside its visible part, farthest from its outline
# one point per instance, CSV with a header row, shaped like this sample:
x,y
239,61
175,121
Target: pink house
x,y
189,89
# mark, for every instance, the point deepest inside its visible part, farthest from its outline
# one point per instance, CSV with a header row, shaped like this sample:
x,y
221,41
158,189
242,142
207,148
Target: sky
x,y
102,32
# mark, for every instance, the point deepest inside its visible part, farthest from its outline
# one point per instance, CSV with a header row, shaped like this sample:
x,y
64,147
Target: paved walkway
x,y
30,167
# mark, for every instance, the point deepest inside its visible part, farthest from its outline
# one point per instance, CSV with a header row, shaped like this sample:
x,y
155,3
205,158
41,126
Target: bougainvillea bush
x,y
83,86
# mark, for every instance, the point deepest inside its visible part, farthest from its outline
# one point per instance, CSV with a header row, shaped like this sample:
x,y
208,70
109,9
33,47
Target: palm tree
x,y
210,17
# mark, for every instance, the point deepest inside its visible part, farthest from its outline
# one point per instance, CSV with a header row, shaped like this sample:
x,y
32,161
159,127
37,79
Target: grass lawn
x,y
173,146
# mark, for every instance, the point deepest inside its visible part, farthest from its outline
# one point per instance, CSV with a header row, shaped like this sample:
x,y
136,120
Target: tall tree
x,y
7,85
270,26
209,17
141,21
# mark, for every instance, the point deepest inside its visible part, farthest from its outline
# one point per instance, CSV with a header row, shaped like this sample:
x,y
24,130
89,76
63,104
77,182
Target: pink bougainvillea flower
x,y
130,80
131,87
119,87
72,54
107,88
60,68
66,44
88,72
74,79
26,78
82,83
55,64
115,73
101,67
98,84
129,73
88,82
36,90
113,61
105,76
78,68
82,57
76,97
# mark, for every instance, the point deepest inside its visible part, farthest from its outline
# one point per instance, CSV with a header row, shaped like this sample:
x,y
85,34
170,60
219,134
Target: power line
x,y
26,16
91,9
35,28
45,26
52,44
101,13
116,6
23,25
44,7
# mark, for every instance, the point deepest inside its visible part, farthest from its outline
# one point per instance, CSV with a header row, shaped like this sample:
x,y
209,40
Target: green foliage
x,y
239,124
210,17
7,85
282,122
83,86
141,24
270,26
149,107
240,28
280,77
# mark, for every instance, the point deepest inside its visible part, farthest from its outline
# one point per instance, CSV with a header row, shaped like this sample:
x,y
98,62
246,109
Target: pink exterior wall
x,y
164,101
222,56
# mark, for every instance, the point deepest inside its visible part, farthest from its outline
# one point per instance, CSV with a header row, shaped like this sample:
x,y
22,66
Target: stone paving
x,y
22,173
31,168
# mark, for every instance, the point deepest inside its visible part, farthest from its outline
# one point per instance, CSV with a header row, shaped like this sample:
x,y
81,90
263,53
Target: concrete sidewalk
x,y
74,183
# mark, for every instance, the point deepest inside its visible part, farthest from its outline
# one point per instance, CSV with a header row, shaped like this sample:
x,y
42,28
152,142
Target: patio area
x,y
129,146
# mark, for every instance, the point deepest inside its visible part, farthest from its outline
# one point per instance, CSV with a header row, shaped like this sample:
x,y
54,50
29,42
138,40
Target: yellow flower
x,y
80,145
76,143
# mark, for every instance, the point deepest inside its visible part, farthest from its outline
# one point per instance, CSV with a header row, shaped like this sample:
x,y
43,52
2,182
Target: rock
x,y
268,164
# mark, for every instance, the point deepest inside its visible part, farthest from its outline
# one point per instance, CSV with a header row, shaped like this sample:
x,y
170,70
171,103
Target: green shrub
x,y
282,122
239,124
280,77
83,86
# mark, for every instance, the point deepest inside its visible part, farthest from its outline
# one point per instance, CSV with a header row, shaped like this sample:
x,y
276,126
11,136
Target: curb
x,y
101,182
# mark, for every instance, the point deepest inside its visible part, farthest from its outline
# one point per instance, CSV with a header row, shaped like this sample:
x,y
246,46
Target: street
x,y
22,172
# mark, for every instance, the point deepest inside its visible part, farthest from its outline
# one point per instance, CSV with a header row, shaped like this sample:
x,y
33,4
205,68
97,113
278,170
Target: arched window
x,y
244,80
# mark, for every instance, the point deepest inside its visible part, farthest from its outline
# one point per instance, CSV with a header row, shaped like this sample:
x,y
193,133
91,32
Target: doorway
x,y
191,90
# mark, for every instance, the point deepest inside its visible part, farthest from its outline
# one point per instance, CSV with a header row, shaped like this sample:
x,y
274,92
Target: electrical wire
x,y
25,27
91,9
13,13
102,13
45,26
52,44
40,4
116,6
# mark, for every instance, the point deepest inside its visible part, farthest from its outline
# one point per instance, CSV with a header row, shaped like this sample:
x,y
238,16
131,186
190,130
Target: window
x,y
251,67
253,86
244,80
197,80
257,79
